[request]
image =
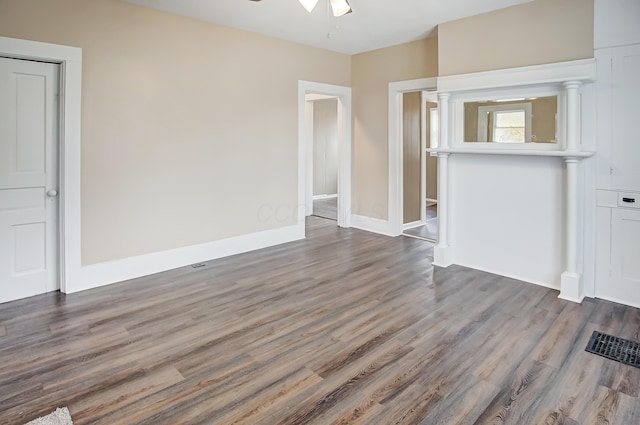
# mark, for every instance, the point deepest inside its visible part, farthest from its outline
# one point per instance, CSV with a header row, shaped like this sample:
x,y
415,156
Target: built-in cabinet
x,y
618,183
618,112
618,264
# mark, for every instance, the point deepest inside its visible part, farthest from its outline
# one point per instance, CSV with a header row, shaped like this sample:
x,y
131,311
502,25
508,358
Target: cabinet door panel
x,y
625,132
624,284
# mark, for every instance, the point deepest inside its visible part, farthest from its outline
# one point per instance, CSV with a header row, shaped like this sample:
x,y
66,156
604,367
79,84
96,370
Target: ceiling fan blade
x,y
308,4
340,7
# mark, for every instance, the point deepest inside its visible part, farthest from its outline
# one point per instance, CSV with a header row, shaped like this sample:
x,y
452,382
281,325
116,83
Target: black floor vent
x,y
618,349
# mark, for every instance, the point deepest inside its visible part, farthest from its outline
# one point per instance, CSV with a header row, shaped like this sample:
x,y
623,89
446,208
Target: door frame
x,y
69,60
310,99
305,155
395,196
428,96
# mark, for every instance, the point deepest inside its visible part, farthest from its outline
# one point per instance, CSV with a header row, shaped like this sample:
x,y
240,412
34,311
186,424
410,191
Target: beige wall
x,y
542,31
189,129
370,77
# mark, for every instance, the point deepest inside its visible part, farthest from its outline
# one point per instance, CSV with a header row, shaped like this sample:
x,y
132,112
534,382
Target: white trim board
x,y
70,60
510,276
143,265
370,224
413,225
396,89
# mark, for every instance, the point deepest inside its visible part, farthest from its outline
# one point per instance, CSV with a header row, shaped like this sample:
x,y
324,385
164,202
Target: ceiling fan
x,y
339,7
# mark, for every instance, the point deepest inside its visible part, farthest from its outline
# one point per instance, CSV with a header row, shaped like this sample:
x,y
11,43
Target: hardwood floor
x,y
429,230
345,327
326,208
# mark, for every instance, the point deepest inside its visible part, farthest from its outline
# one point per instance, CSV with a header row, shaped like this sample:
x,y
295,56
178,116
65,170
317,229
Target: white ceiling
x,y
372,25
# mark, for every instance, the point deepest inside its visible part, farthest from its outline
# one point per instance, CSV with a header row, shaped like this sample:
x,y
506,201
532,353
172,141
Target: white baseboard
x,y
414,224
618,300
512,276
571,287
374,225
106,273
442,256
573,300
317,197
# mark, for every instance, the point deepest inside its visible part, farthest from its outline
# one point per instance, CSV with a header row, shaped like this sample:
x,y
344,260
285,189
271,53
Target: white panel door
x,y
28,178
624,284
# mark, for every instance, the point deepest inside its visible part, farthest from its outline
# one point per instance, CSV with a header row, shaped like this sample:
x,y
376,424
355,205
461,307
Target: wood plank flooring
x,y
345,327
326,208
429,230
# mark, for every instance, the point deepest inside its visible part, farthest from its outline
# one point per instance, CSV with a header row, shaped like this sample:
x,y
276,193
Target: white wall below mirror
x,y
526,201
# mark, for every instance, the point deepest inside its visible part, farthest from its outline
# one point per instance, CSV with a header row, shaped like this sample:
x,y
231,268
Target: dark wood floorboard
x,y
345,327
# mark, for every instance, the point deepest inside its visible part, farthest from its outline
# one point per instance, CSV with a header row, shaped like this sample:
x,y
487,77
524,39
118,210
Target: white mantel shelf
x,y
521,152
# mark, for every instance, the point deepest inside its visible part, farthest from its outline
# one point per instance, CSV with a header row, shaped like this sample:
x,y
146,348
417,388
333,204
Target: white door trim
x,y
395,145
70,60
423,157
344,149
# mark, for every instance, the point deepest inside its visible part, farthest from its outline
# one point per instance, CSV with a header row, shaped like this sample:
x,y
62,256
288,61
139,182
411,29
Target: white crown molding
x,y
583,70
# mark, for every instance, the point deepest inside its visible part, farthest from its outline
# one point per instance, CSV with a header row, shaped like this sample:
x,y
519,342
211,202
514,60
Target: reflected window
x,y
508,126
504,123
524,120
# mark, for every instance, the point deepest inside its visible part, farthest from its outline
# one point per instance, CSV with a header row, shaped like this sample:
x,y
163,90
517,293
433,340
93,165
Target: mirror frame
x,y
458,101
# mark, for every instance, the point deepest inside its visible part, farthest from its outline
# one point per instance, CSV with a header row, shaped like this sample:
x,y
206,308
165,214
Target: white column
x,y
573,115
443,112
571,279
442,251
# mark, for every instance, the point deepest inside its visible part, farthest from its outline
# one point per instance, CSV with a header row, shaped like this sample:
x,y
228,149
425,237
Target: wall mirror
x,y
512,120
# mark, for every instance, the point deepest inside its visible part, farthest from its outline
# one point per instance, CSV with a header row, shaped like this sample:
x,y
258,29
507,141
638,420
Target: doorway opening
x,y
324,119
420,122
323,147
396,152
